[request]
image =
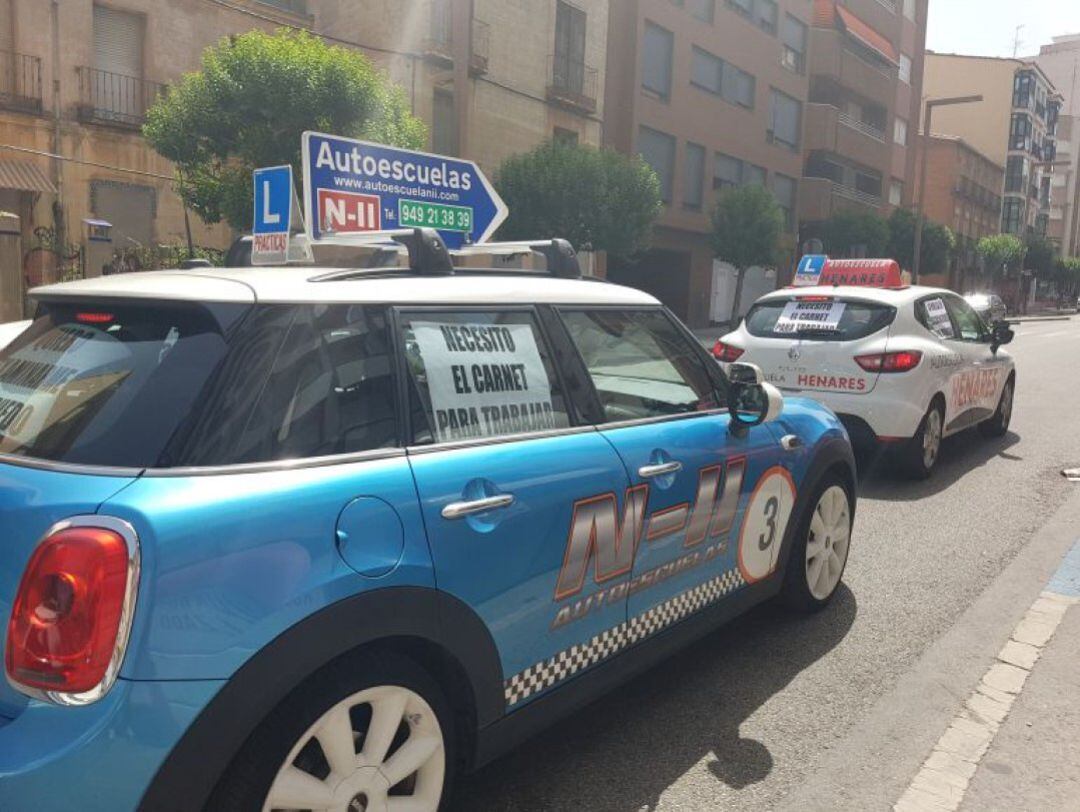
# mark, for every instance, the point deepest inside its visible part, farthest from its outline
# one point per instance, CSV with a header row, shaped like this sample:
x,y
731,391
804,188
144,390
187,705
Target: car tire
x,y
998,425
820,549
343,712
920,454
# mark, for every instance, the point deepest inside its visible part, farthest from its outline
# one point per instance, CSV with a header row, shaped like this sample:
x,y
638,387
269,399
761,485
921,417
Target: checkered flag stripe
x,y
566,663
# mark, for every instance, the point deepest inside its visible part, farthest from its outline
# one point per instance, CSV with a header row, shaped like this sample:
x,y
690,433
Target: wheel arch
x,y
439,632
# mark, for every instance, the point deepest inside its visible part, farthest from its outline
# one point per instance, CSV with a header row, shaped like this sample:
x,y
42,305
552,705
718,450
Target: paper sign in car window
x,y
799,315
938,317
484,380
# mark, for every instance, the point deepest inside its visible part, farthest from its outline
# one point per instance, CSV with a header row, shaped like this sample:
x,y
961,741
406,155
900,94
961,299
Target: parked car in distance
x,y
10,330
307,537
988,305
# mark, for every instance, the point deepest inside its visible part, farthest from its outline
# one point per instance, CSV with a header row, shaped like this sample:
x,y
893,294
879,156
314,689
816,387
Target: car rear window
x,y
182,385
101,383
822,318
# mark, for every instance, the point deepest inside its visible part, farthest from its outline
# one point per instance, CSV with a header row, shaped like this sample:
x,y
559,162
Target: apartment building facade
x,y
866,73
712,94
963,192
1015,125
1060,61
490,78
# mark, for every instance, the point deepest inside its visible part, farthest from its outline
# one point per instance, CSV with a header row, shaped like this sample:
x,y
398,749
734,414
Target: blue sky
x,y
987,27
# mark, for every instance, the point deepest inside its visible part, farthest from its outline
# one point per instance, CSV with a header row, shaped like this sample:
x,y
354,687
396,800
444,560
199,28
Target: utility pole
x,y
1017,42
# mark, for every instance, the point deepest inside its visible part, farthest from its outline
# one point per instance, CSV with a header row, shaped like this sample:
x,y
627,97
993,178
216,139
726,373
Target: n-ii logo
x,y
604,543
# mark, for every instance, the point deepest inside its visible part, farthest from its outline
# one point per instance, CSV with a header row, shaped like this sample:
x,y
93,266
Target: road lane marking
x,y
941,783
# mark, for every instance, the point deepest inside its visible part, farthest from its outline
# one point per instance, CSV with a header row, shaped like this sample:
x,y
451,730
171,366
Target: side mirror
x,y
752,401
1000,335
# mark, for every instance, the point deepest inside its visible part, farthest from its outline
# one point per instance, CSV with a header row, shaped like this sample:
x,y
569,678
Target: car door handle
x,y
457,510
790,442
660,469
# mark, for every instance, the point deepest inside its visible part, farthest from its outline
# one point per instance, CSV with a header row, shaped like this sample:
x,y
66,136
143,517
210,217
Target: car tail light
x,y
94,318
72,613
726,352
904,361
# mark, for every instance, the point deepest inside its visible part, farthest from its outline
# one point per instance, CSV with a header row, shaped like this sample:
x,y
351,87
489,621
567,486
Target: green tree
x,y
1067,277
247,107
747,225
592,197
1040,255
938,243
849,232
1002,254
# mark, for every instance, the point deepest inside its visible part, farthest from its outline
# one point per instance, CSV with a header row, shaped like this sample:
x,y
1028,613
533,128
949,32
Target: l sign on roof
x,y
352,187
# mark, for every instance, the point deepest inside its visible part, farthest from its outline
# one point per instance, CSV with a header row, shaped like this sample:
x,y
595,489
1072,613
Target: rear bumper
x,y
97,757
873,417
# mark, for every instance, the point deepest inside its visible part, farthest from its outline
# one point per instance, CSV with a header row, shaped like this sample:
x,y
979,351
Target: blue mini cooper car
x,y
309,538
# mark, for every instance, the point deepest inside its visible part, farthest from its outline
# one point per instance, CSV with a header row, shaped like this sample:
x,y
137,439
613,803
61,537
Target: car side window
x,y
934,316
641,365
479,374
331,389
968,323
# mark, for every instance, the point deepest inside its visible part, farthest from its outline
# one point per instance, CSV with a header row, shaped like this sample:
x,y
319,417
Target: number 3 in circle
x,y
764,522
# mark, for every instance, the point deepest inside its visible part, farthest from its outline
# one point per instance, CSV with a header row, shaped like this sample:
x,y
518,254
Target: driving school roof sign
x,y
868,273
352,187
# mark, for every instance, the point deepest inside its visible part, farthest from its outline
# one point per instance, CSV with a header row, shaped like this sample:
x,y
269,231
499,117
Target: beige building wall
x,y
985,125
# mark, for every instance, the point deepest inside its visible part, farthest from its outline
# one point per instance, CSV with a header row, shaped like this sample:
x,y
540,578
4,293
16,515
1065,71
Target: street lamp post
x,y
927,118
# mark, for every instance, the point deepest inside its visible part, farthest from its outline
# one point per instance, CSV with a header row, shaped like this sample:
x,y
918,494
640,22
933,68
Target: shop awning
x,y
25,177
827,13
867,35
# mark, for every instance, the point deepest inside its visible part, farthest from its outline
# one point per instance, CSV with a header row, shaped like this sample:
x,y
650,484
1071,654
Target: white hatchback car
x,y
902,366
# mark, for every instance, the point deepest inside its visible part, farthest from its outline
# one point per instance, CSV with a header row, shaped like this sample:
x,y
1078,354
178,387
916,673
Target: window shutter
x,y
7,27
118,46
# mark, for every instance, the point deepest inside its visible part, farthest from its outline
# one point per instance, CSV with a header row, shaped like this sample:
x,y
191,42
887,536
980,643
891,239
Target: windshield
x,y
100,383
823,319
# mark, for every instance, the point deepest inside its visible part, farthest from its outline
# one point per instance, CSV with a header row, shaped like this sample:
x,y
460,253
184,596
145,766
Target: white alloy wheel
x,y
379,750
827,544
931,442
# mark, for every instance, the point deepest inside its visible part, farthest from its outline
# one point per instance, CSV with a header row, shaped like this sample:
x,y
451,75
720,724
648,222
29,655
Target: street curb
x,y
877,760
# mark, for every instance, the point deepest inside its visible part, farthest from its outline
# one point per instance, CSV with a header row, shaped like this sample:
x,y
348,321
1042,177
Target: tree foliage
x,y
746,226
247,107
1001,253
847,230
1066,276
938,243
1040,254
591,197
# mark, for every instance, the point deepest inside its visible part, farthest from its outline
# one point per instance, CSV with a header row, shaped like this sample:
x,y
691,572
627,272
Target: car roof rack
x,y
560,258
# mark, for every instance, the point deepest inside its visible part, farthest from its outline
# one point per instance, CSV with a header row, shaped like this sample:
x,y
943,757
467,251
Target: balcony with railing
x,y
821,198
481,47
832,56
115,99
831,130
572,83
20,82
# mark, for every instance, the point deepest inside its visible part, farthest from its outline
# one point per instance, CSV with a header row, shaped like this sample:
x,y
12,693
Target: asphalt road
x,y
752,715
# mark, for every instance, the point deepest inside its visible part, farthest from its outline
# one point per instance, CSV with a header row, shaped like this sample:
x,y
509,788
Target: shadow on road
x,y
881,478
626,749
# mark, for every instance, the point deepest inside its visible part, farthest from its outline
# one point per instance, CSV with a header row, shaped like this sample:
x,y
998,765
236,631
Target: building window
x,y
767,15
293,6
793,37
569,70
1011,214
900,131
565,137
1020,132
909,9
868,184
658,150
785,120
443,124
727,172
754,175
711,73
704,10
905,68
1016,174
694,186
784,189
744,7
1023,84
896,192
656,50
